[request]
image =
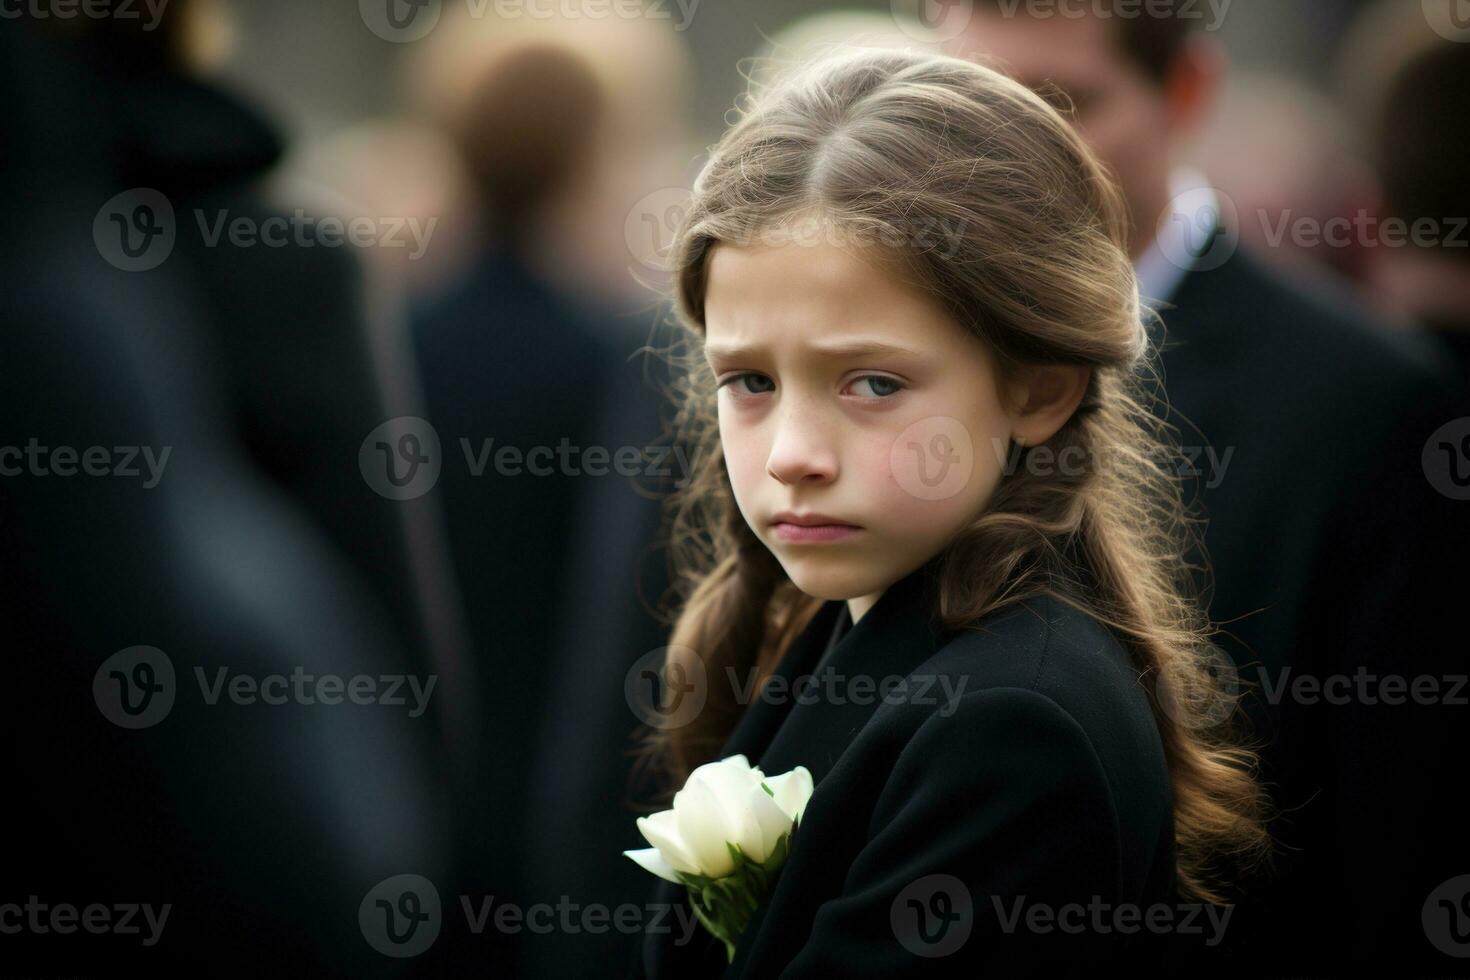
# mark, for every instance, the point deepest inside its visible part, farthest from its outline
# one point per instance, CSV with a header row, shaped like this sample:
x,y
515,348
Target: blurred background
x,y
359,304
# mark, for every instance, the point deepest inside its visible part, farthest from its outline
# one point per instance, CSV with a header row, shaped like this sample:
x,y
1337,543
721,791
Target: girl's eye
x,y
879,386
756,378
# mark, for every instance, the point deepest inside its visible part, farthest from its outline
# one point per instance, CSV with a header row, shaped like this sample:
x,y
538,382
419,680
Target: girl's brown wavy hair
x,y
992,204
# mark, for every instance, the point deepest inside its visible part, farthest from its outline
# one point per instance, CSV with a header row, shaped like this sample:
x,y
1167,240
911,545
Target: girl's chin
x,y
832,577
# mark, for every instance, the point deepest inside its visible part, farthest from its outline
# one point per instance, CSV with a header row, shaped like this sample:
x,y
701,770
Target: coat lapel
x,y
780,732
898,634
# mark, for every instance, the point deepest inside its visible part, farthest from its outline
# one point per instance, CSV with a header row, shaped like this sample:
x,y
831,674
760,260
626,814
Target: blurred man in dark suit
x,y
508,362
1303,425
530,375
1423,157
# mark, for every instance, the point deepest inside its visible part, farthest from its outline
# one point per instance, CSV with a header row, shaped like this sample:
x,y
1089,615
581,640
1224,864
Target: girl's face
x,y
851,401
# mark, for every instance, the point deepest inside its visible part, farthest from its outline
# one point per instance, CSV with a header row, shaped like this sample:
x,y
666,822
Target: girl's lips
x,y
814,533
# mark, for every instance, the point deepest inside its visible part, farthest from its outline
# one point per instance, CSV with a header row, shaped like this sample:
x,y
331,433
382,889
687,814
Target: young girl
x,y
927,471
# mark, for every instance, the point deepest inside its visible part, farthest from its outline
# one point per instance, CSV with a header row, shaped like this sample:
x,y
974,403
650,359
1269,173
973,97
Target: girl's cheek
x,y
743,463
934,459
937,475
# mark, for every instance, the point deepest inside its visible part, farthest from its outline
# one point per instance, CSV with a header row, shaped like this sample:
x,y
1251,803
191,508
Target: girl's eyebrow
x,y
854,348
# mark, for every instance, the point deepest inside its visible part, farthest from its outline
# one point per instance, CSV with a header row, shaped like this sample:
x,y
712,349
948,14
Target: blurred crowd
x,y
386,404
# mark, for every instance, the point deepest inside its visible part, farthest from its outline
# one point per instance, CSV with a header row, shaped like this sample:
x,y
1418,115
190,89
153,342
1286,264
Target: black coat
x,y
1332,554
1037,775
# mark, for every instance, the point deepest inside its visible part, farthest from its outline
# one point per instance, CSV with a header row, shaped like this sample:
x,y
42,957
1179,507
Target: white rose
x,y
722,803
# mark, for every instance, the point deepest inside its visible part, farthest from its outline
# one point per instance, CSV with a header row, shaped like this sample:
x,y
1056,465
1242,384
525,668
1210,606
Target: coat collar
x,y
778,733
782,730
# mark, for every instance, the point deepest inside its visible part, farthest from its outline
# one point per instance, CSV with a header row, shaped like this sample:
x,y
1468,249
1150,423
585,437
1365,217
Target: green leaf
x,y
778,855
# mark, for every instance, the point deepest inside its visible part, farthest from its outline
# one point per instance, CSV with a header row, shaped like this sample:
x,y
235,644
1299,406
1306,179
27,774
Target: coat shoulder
x,y
1044,651
1051,648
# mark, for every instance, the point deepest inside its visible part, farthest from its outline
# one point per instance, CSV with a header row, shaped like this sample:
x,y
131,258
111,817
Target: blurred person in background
x,y
254,819
1328,547
569,137
1289,160
1423,158
307,368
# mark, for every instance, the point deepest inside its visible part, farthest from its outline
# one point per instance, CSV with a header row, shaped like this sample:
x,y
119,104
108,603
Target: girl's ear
x,y
1045,396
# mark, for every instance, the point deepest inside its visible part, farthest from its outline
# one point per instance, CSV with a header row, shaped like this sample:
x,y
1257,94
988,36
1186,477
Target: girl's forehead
x,y
821,302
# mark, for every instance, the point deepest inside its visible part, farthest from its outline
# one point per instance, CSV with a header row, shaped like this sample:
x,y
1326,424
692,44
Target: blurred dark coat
x,y
262,826
1332,553
559,572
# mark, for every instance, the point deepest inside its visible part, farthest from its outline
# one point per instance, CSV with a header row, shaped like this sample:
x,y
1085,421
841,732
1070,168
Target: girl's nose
x,y
801,453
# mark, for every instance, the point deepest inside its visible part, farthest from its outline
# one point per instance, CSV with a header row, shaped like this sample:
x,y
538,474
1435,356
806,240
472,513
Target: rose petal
x,y
650,860
702,825
793,789
662,831
762,825
730,784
